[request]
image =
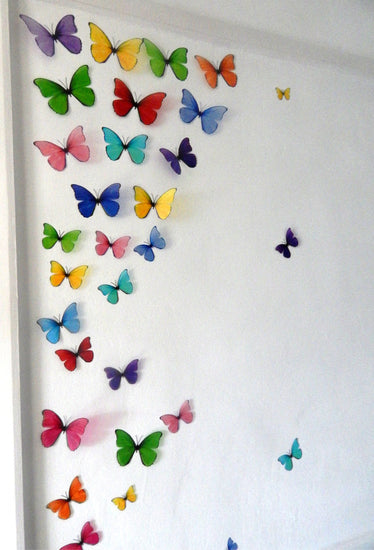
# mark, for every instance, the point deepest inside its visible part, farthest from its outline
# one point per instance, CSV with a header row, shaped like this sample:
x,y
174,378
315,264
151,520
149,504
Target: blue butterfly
x,y
88,201
155,240
209,118
295,452
52,327
111,291
231,545
116,146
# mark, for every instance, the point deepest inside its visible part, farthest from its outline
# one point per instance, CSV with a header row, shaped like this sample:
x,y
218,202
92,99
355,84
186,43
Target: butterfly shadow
x,y
100,426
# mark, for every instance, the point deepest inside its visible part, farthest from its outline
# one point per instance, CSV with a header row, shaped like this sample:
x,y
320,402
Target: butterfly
x,y
67,240
159,62
172,421
291,240
209,117
87,536
118,246
88,201
62,505
59,273
162,204
296,452
74,146
184,154
69,357
116,146
52,327
59,94
155,240
74,430
115,376
283,93
64,32
225,69
147,107
111,291
128,447
102,48
231,545
130,495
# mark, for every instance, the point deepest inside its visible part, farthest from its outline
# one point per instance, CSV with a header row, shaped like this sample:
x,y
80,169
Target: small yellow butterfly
x,y
102,48
162,204
75,276
120,502
283,93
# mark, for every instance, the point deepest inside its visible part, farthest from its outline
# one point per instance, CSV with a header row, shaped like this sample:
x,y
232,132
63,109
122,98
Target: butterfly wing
x,y
208,69
68,358
130,494
119,246
54,426
226,68
51,237
164,203
290,238
296,452
173,159
210,118
76,276
108,199
146,251
103,243
110,291
171,421
51,327
88,535
84,351
56,154
102,46
145,202
157,60
177,62
72,546
125,103
65,30
124,282
69,239
76,492
155,238
58,274
135,148
148,107
185,153
146,448
76,145
185,412
286,461
86,200
58,95
60,505
114,377
120,502
70,318
79,86
131,371
191,109
43,37
115,146
283,249
74,432
126,446
127,52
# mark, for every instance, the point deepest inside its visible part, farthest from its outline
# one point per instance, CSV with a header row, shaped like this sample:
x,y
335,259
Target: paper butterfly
x,y
128,447
62,505
115,376
231,545
155,240
74,430
147,107
64,34
75,276
225,69
102,48
162,204
118,246
172,421
111,291
88,536
52,327
88,201
69,357
184,154
130,495
283,93
159,62
291,240
209,117
296,452
59,95
74,146
67,240
116,146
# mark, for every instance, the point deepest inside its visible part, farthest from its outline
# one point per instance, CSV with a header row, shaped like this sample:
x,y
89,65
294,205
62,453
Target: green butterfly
x,y
59,94
158,62
67,240
128,447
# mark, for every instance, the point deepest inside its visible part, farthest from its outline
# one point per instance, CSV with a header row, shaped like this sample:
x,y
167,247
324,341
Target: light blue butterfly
x,y
295,452
52,327
155,240
111,291
116,146
209,117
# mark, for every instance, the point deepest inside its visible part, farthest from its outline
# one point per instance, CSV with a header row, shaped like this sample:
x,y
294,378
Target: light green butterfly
x,y
158,61
67,240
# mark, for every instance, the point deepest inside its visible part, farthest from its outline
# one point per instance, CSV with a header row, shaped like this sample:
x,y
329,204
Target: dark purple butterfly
x,y
63,33
184,155
115,376
291,240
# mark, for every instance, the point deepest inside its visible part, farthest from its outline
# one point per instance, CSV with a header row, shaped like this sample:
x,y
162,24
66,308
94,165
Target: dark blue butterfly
x,y
88,201
155,240
291,240
231,545
184,154
115,376
209,117
52,327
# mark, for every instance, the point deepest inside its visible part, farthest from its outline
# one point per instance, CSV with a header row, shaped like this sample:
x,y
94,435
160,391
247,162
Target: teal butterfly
x,y
296,452
116,146
111,291
145,448
158,62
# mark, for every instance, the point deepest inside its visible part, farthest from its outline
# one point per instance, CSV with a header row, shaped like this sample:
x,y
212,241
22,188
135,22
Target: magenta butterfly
x,y
54,427
87,536
172,421
75,145
118,246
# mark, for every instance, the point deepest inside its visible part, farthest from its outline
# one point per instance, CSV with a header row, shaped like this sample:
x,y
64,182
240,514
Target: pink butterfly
x,y
88,536
74,145
118,246
55,426
172,421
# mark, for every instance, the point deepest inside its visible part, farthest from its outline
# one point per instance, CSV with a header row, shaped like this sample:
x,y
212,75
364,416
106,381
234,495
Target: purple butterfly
x,y
115,376
291,240
63,33
184,154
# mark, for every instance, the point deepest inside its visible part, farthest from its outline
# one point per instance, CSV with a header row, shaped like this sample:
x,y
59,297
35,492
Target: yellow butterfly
x,y
120,502
162,205
102,48
283,93
75,276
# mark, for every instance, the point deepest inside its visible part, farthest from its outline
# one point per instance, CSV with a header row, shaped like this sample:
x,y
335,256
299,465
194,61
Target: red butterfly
x,y
62,506
147,107
55,427
118,246
88,536
74,145
69,357
172,421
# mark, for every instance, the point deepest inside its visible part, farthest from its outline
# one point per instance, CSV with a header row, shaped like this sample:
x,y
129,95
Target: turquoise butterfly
x,y
111,291
116,146
296,452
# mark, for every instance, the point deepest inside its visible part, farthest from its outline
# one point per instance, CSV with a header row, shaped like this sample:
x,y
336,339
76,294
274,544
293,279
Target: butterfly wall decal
x,y
54,428
87,202
286,94
158,62
74,276
116,146
291,240
231,545
64,33
225,69
118,246
146,447
172,421
102,48
184,155
88,536
296,452
53,326
147,107
209,117
75,146
61,506
130,496
155,241
52,236
130,373
162,204
70,357
111,290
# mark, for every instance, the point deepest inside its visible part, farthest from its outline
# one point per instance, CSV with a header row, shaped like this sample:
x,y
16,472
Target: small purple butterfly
x,y
115,376
184,154
64,33
291,240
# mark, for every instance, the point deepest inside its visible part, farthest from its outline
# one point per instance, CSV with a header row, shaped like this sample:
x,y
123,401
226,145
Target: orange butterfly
x,y
225,69
75,276
62,506
283,93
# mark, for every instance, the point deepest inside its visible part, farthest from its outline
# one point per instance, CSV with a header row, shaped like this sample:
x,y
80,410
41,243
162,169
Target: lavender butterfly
x,y
115,376
64,32
184,154
291,240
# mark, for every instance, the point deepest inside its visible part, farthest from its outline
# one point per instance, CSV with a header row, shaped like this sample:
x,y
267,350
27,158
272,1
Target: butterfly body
x,y
291,240
87,536
115,376
59,273
147,107
87,202
296,452
184,154
159,62
155,241
286,94
69,357
52,236
57,155
61,506
162,204
130,496
102,48
54,427
116,146
209,117
64,33
111,290
145,447
225,69
172,421
52,327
